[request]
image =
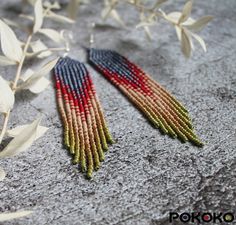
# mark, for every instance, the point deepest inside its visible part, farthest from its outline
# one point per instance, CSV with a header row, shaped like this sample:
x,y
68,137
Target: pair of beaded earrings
x,y
85,129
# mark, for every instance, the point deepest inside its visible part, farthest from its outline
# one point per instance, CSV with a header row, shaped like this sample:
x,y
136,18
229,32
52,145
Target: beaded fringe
x,y
85,131
156,103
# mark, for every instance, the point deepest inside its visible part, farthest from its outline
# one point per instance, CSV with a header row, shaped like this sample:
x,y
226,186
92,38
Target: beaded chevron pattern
x,y
159,106
85,131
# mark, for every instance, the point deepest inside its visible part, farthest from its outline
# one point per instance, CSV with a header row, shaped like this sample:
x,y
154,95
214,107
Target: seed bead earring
x,y
85,130
162,109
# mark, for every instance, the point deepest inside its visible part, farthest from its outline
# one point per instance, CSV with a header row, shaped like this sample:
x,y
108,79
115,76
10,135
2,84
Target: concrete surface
x,y
145,175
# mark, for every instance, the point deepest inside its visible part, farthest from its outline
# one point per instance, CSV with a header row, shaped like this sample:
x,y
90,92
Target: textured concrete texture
x,y
145,175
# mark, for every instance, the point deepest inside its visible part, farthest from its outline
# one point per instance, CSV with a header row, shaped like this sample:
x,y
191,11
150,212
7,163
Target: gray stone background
x,y
145,175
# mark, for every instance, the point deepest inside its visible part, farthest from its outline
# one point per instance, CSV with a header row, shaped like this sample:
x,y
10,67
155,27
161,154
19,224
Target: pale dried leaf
x,y
199,24
39,86
178,32
15,215
191,42
189,21
72,8
186,11
22,141
18,130
10,45
200,40
38,75
185,44
2,174
46,68
28,73
52,34
38,15
40,49
173,16
7,97
59,18
4,61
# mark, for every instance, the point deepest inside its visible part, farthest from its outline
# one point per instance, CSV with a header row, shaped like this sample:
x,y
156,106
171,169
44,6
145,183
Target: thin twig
x,y
14,85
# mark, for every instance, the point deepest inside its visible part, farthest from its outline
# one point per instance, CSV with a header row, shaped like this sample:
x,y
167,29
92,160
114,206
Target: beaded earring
x,y
157,104
85,130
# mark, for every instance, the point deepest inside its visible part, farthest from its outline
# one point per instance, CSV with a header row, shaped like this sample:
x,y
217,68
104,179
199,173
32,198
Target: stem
x,y
18,72
6,118
14,85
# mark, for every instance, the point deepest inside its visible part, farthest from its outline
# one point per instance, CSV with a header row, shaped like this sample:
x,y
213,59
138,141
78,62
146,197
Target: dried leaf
x,y
2,175
39,86
40,49
18,130
38,12
178,32
34,78
200,40
52,34
10,45
173,16
46,68
189,21
4,61
7,97
22,141
15,215
186,11
35,87
191,41
59,18
28,73
200,24
185,44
